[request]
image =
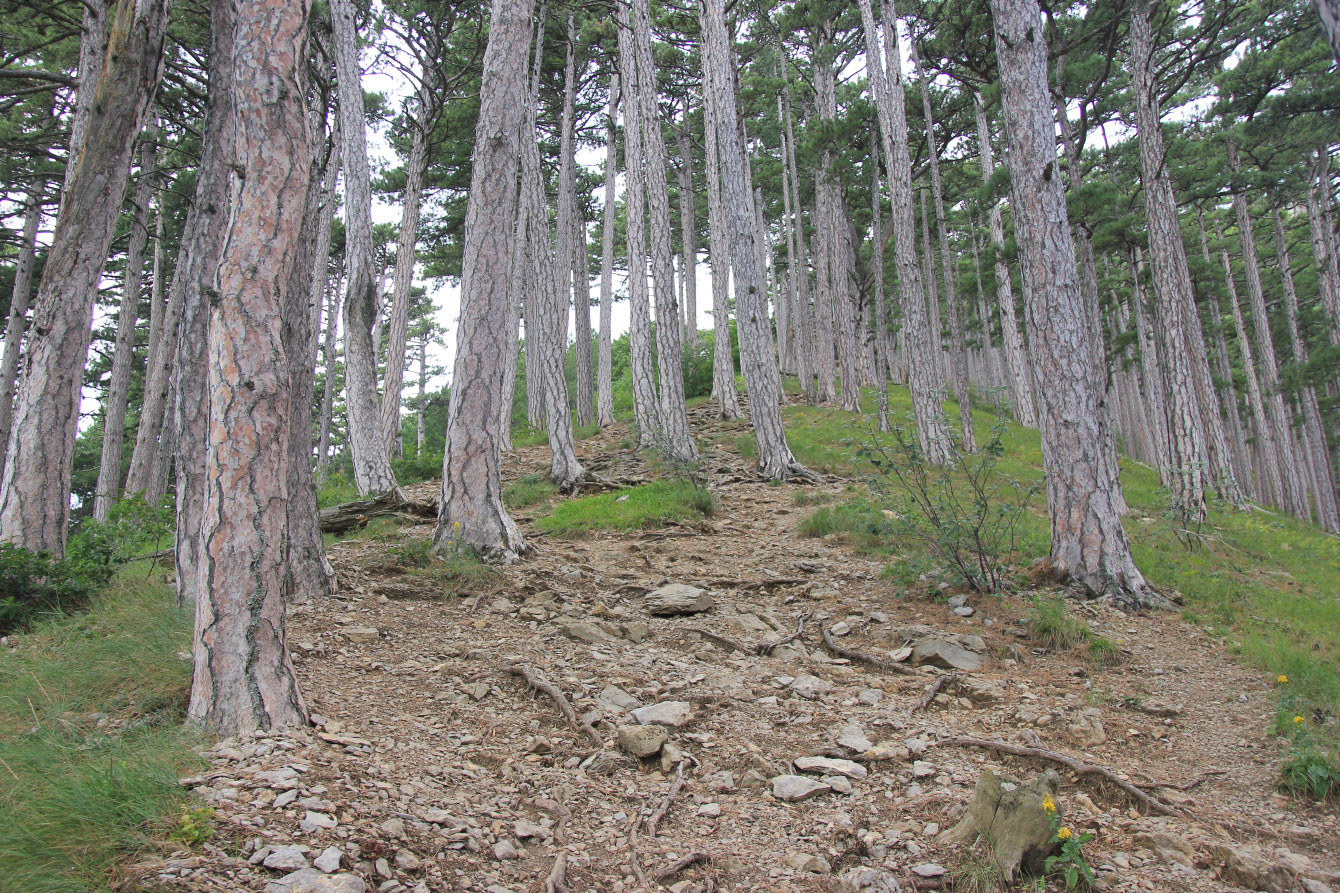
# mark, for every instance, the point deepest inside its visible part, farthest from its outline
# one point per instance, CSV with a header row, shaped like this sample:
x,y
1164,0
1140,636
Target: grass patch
x,y
804,498
646,506
1056,629
91,738
337,490
858,522
528,490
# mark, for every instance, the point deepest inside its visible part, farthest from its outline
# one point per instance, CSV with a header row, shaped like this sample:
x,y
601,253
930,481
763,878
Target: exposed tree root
x,y
762,649
654,820
766,648
934,689
557,881
680,864
537,681
1153,804
870,660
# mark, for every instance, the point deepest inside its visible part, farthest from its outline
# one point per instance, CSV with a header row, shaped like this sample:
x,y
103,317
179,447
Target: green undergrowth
x,y
92,739
642,507
1055,628
1268,585
858,521
529,490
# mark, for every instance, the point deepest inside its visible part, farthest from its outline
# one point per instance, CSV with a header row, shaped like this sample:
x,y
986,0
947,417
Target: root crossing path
x,y
433,765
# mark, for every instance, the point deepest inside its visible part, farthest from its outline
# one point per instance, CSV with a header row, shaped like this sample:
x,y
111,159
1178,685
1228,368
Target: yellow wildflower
x,y
1049,804
1062,833
1298,720
1283,680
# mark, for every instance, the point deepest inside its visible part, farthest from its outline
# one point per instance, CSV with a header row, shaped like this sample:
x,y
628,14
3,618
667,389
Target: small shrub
x,y
803,498
193,826
1102,651
1310,772
966,512
336,490
413,553
34,586
857,521
528,490
413,469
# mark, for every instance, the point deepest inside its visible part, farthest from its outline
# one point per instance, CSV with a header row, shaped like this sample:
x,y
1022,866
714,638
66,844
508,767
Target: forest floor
x,y
432,767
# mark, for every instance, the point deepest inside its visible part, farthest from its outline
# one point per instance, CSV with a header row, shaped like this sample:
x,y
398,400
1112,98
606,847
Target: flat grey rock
x,y
678,598
795,788
946,655
831,766
667,713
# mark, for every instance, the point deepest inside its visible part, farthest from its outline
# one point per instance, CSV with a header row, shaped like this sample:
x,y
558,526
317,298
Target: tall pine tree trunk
x,y
1189,453
604,371
688,227
1313,431
471,513
675,440
328,354
958,349
1281,440
35,488
919,341
108,488
1016,355
718,244
646,412
18,314
1088,543
397,333
244,679
371,460
775,460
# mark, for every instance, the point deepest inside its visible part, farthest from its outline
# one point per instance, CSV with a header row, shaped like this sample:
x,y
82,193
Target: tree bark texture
x,y
958,350
1188,452
718,246
35,488
919,341
18,315
397,332
1088,543
108,487
604,371
646,412
371,461
195,277
244,679
471,513
756,349
688,228
1016,356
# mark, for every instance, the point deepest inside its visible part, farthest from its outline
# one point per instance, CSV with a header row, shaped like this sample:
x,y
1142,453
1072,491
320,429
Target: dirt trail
x,y
440,771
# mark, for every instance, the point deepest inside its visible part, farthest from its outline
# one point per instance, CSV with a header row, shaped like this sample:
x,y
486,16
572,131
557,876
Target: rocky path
x,y
434,767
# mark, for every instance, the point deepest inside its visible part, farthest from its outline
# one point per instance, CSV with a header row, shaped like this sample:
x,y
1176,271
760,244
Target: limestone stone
x,y
678,598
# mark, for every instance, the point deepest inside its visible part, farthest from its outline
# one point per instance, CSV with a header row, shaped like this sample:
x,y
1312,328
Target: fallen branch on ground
x,y
348,515
871,660
536,681
1079,767
932,690
767,648
654,820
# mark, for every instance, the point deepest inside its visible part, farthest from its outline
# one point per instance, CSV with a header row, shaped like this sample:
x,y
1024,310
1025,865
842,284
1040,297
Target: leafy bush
x,y
965,512
1311,773
412,469
697,366
33,585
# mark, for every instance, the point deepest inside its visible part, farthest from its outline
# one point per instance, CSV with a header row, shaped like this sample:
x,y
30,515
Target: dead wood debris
x,y
537,681
654,820
934,689
680,864
870,660
1079,767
